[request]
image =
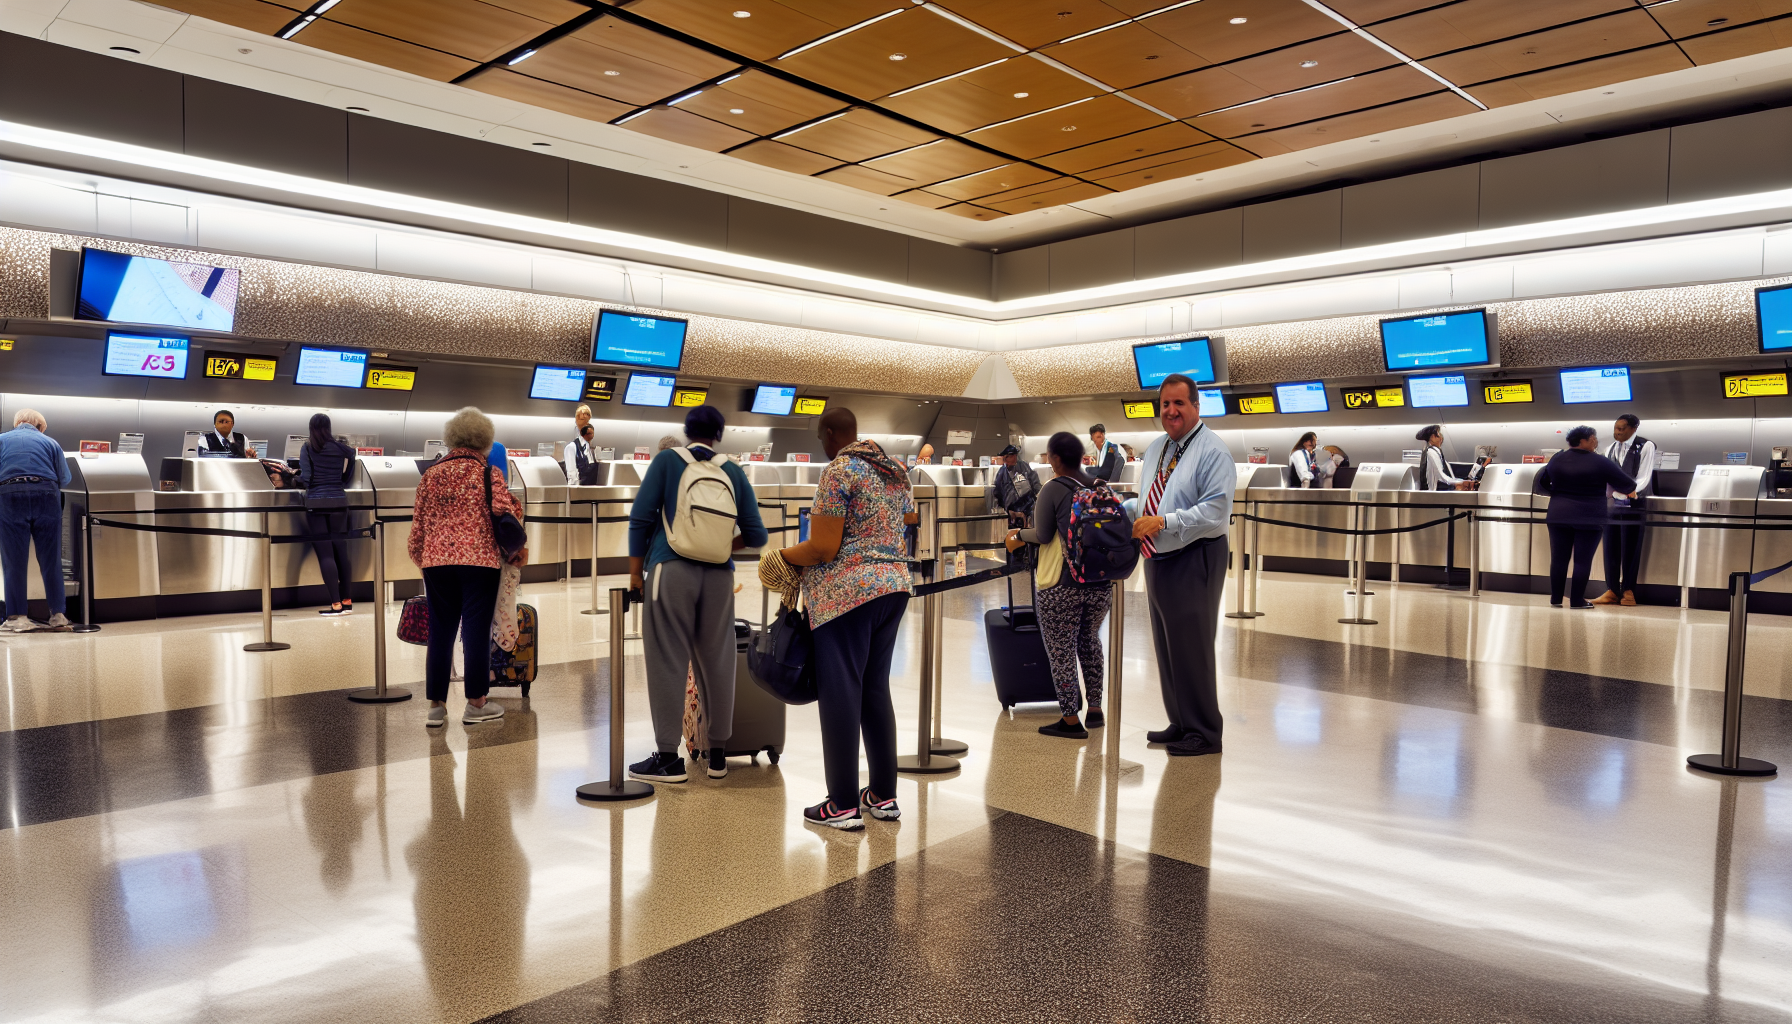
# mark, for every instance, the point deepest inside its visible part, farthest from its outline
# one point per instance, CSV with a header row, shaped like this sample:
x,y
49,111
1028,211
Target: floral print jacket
x,y
451,525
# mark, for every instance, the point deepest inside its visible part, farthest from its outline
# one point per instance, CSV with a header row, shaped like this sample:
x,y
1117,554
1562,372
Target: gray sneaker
x,y
438,717
59,624
491,712
18,624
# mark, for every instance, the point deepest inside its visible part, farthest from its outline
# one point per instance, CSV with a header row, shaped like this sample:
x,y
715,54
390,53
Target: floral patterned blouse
x,y
451,525
873,559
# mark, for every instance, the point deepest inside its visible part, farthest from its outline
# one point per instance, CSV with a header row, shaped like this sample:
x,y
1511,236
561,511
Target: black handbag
x,y
506,530
781,659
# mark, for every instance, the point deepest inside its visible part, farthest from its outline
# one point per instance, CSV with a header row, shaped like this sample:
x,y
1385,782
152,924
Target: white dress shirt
x,y
1618,451
571,460
1308,468
1439,469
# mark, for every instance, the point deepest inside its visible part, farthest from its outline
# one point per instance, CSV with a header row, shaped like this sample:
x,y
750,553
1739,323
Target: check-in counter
x,y
115,487
1773,548
624,472
391,486
1428,548
197,564
1380,482
1709,556
1292,549
1509,549
539,484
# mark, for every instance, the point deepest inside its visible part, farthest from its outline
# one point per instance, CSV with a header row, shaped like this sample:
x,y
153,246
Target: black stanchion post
x,y
619,786
924,761
1731,761
267,642
380,693
86,624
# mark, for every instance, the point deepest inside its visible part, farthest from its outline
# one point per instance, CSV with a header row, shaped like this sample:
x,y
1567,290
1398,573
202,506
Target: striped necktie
x,y
1150,509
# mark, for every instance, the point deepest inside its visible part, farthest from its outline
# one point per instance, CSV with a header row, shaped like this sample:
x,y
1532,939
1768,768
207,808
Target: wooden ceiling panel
x,y
1089,121
1332,58
869,180
1622,67
926,199
1365,12
1395,83
384,50
1162,139
626,37
785,158
772,28
1435,107
1739,42
1126,56
1035,22
1473,22
1549,49
534,91
938,161
684,127
1693,17
990,182
767,104
556,12
253,15
1202,158
1072,193
466,28
973,212
643,72
1206,30
861,63
1205,149
1011,89
859,134
1051,184
1199,92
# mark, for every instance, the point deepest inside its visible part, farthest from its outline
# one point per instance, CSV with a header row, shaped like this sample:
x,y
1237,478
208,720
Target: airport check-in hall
x,y
1239,510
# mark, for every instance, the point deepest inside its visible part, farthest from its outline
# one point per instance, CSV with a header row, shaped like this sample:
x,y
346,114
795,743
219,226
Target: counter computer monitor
x,y
1212,402
1447,391
1436,342
1596,384
557,383
630,339
129,289
145,355
649,389
1773,317
774,399
331,367
1305,396
1193,357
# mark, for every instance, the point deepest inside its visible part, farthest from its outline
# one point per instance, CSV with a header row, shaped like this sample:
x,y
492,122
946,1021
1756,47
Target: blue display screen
x,y
774,399
1435,342
1596,384
649,389
1213,403
146,355
1190,356
143,290
1773,311
656,342
331,367
557,383
1436,392
1307,396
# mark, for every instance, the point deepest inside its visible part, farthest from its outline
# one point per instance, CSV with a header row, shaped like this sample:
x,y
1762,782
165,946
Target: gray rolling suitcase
x,y
758,716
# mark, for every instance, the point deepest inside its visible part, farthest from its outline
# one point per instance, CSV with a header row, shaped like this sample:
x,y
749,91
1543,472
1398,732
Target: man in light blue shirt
x,y
33,472
1186,482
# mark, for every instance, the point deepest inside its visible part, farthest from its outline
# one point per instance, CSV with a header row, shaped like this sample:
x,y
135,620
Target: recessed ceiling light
x,y
1068,128
1309,63
612,73
743,14
898,56
1239,21
736,110
127,49
1021,95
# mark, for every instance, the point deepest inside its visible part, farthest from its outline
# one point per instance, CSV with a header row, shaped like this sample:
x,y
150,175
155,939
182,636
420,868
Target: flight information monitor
x,y
1438,392
1213,403
774,399
144,290
1596,384
1773,314
649,389
331,367
1192,357
1306,396
1436,342
654,342
557,383
146,355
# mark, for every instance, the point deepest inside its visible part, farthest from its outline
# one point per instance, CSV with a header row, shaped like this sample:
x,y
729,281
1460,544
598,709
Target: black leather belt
x,y
22,480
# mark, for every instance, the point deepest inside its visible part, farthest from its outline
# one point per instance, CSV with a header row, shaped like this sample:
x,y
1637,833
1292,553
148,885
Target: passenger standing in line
x,y
326,466
687,626
1635,455
581,457
1108,460
855,587
1305,465
1070,613
1576,479
1181,523
1434,471
498,458
1015,489
33,472
453,543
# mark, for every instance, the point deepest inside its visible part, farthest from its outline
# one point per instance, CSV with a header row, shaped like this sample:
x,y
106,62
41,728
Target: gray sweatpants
x,y
689,623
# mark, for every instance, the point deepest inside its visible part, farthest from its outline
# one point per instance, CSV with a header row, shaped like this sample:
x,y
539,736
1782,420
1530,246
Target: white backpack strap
x,y
685,454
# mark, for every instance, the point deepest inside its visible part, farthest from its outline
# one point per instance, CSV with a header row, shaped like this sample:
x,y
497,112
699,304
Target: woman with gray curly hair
x,y
452,542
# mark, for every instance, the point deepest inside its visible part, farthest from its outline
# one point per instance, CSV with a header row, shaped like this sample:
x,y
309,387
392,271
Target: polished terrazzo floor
x,y
1397,831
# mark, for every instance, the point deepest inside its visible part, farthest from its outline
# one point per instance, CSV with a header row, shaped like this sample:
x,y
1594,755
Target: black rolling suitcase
x,y
758,716
1017,657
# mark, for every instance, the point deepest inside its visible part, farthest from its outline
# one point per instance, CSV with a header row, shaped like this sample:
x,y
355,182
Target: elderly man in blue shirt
x,y
33,472
1186,480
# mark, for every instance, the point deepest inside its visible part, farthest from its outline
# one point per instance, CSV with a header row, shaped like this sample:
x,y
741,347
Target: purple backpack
x,y
1098,546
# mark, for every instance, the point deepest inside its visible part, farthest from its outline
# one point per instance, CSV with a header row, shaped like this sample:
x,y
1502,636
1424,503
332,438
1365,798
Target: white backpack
x,y
702,529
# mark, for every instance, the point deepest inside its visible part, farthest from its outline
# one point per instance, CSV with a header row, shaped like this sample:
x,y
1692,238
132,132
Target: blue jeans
x,y
31,512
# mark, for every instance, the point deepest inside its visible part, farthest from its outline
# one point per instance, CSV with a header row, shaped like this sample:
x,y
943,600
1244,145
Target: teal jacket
x,y
659,493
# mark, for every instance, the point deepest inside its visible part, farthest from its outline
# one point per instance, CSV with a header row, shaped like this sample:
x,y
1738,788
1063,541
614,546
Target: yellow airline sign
x,y
1354,399
810,407
1390,398
600,389
1754,385
1141,410
5,344
1507,392
232,366
392,378
1251,404
685,398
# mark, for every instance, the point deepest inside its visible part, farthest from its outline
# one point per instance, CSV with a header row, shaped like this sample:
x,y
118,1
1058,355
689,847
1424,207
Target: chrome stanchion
x,y
1116,663
924,761
1359,548
1474,554
86,624
1731,761
267,594
1242,572
1256,561
619,786
594,609
1394,566
1362,581
380,693
940,745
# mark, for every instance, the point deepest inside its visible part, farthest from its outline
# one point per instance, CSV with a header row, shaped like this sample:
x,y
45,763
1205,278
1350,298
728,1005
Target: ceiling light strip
x,y
1408,61
1165,10
1036,113
948,78
848,30
1277,96
676,100
1128,21
974,27
626,118
804,127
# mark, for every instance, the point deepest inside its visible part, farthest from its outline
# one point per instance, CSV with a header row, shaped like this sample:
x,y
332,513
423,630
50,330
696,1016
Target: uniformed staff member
x,y
581,457
1434,472
1307,467
1108,460
1015,489
1635,455
221,439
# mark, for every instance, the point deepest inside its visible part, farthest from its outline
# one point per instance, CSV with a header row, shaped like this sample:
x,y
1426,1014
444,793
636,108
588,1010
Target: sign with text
x,y
1141,410
236,366
130,443
799,456
599,389
810,407
1252,405
96,446
1754,385
1509,392
392,378
689,398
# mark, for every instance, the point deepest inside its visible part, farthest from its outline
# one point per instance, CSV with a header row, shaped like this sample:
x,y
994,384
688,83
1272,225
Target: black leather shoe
x,y
1191,747
1170,735
1094,719
1064,729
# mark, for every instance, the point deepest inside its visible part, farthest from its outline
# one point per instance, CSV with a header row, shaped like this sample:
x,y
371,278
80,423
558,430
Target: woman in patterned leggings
x,y
1070,613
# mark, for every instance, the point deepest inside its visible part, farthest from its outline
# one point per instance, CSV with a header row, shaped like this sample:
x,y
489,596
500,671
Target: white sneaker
x,y
438,717
59,623
18,624
491,712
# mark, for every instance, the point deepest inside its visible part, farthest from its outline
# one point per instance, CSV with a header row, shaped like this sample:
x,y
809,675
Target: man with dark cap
x,y
1015,489
1108,459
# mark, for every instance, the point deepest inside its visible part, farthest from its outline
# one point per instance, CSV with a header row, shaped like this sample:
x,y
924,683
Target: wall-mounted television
x,y
1443,392
1596,384
1773,317
145,355
1212,403
331,367
1304,396
557,383
1438,341
774,399
1204,359
649,389
127,289
635,339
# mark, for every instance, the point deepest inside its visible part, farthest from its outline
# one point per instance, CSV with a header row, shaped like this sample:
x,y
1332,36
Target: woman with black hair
x,y
1305,466
325,467
1577,481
